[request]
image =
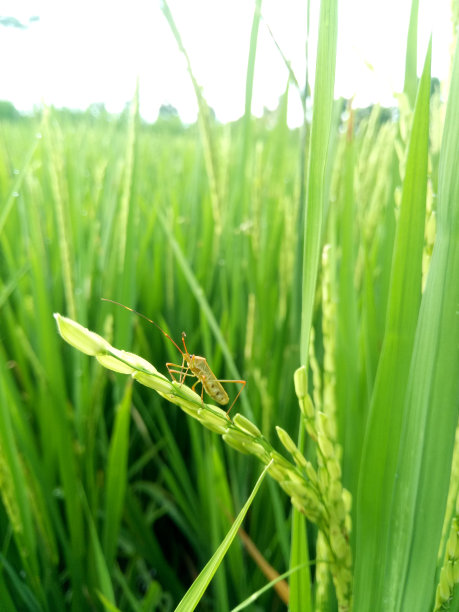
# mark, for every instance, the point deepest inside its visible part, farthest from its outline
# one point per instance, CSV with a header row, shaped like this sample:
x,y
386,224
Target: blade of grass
x,y
382,438
199,586
104,583
107,604
116,477
54,143
29,601
12,198
125,213
127,224
13,492
8,604
411,72
300,582
300,592
432,403
247,120
220,487
347,350
144,542
320,135
271,584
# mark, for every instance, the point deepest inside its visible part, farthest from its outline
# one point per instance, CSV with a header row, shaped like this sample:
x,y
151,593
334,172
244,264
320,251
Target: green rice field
x,y
320,265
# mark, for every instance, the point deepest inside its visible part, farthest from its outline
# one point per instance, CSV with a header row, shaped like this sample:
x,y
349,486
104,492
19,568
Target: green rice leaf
x,y
432,403
244,604
14,494
107,604
24,594
116,476
300,582
320,135
199,586
300,592
102,573
381,445
411,76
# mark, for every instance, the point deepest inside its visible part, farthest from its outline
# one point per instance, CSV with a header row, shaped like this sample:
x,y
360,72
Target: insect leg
x,y
171,371
202,388
242,382
181,370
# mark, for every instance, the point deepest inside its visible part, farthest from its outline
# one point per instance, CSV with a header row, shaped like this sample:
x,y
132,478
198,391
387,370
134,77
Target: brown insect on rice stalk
x,y
193,365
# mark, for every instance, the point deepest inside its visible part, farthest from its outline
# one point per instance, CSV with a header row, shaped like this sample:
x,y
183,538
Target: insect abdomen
x,y
213,388
216,391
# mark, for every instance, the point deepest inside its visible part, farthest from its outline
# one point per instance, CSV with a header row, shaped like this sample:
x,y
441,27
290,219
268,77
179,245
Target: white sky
x,y
94,50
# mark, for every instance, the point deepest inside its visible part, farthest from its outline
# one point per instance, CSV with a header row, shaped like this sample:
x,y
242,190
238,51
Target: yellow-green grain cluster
x,y
335,501
449,575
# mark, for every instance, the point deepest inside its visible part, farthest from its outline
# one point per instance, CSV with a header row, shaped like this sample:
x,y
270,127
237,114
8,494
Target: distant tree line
x,y
8,111
168,117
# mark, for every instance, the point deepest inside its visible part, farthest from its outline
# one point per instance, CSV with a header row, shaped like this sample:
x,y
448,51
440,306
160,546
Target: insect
x,y
193,365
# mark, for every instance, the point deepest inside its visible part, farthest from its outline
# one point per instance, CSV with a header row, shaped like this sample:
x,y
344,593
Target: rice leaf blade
x,y
432,402
411,78
199,586
316,189
116,477
381,445
300,592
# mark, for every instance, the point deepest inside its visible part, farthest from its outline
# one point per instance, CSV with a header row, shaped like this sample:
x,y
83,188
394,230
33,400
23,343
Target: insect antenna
x,y
146,319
